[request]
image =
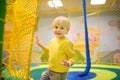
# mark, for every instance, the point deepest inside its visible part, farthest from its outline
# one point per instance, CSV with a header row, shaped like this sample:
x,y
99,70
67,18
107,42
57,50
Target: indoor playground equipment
x,y
21,17
77,75
87,71
2,22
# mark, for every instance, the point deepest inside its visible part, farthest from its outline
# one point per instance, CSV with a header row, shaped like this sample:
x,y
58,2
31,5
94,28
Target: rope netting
x,y
23,14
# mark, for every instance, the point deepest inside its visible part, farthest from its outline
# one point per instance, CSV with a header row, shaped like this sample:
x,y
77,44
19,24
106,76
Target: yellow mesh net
x,y
24,20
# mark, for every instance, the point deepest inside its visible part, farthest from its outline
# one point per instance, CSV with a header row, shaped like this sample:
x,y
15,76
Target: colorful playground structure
x,y
23,19
19,59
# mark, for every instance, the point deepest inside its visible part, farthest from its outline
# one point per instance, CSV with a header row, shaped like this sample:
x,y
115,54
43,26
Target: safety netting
x,y
23,16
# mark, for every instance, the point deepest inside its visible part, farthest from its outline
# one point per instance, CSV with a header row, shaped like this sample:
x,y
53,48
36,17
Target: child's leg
x,y
63,76
45,76
57,76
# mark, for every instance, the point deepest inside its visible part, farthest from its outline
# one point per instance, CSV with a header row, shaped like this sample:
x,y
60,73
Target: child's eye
x,y
62,27
56,27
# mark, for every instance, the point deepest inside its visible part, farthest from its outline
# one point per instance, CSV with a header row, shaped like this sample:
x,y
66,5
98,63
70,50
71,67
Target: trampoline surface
x,y
97,72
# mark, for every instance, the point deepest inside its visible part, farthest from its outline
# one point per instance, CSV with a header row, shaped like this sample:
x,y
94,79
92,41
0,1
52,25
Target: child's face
x,y
59,31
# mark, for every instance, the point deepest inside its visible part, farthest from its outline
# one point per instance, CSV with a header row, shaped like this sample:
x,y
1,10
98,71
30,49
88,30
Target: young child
x,y
61,52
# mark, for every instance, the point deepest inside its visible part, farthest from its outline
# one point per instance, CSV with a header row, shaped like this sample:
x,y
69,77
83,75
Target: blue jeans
x,y
51,75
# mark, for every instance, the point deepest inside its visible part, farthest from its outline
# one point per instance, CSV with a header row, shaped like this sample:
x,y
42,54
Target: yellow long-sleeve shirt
x,y
60,50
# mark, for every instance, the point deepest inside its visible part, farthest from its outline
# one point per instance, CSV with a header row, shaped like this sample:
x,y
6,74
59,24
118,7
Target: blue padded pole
x,y
88,66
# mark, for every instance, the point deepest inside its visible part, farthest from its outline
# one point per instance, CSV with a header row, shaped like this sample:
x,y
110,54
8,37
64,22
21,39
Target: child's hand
x,y
37,40
66,63
39,43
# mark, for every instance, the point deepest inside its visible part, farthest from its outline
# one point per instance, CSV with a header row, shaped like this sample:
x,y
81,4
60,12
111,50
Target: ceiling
x,y
75,6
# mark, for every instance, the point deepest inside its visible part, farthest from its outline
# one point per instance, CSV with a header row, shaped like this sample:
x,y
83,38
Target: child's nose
x,y
58,29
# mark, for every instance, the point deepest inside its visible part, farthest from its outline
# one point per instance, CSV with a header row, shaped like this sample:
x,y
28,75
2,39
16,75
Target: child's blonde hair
x,y
61,21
